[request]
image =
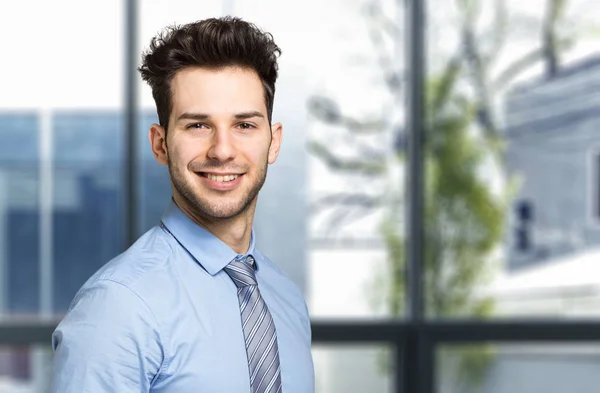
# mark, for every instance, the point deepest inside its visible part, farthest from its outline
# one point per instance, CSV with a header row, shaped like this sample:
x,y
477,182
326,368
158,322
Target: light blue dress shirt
x,y
164,317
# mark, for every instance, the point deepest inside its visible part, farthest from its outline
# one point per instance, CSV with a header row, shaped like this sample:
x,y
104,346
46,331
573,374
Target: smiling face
x,y
219,141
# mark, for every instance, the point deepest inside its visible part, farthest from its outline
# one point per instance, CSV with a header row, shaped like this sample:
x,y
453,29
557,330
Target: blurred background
x,y
511,202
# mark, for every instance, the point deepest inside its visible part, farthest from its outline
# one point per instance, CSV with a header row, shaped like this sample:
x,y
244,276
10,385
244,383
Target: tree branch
x,y
485,114
555,10
326,110
346,199
363,127
387,25
498,32
372,167
392,77
530,59
445,86
345,215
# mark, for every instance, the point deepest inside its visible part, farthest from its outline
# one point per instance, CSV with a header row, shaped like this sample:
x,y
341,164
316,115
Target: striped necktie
x,y
258,327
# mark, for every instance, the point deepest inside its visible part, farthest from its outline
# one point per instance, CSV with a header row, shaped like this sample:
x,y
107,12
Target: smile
x,y
220,178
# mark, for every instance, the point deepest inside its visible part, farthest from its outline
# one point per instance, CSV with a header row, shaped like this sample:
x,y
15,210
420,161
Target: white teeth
x,y
221,178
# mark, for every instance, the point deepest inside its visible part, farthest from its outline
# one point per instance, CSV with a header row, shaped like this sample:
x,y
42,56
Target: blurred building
x,y
554,147
553,244
553,239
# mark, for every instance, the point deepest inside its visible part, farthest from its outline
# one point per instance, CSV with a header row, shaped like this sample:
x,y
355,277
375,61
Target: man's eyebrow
x,y
204,116
192,116
249,114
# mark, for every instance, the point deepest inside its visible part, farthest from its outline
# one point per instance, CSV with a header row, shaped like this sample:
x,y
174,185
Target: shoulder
x,y
128,281
127,285
139,269
109,336
117,307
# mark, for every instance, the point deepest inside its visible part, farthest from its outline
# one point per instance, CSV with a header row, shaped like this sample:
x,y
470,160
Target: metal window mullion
x,y
46,196
414,180
130,153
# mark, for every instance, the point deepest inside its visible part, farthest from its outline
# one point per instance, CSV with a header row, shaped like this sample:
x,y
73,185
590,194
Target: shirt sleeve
x,y
108,341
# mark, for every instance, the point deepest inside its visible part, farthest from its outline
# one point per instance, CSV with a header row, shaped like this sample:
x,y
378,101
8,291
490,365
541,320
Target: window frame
x,y
414,339
593,186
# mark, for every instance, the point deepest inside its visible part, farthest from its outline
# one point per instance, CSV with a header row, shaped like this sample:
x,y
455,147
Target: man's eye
x,y
196,125
246,126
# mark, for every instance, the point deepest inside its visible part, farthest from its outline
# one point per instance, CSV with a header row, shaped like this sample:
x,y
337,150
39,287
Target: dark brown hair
x,y
212,43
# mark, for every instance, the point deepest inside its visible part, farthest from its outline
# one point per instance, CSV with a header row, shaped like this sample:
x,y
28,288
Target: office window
x,y
506,156
87,204
509,118
60,165
19,212
352,368
519,368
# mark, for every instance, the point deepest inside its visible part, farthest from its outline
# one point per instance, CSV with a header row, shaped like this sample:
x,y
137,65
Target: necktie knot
x,y
242,271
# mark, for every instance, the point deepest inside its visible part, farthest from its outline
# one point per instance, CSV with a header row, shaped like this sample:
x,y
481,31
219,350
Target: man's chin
x,y
220,210
223,215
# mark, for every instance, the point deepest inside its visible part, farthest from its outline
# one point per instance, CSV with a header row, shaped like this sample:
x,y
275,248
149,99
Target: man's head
x,y
212,44
213,82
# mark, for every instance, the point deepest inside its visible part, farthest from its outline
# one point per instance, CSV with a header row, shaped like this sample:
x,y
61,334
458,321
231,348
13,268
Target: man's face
x,y
219,141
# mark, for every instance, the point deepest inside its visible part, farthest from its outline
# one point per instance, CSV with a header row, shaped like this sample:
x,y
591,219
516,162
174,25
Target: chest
x,y
207,347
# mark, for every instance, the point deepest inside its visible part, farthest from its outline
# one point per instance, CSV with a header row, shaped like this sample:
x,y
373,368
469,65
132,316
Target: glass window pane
x,y
353,368
356,154
25,369
511,159
87,197
19,212
358,293
60,162
518,368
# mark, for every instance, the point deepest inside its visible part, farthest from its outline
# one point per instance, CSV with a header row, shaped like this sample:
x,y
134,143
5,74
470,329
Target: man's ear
x,y
276,135
158,142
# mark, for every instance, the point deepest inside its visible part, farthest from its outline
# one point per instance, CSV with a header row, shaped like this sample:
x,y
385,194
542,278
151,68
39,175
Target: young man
x,y
193,306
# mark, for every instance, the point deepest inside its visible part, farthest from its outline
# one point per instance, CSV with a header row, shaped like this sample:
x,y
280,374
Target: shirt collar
x,y
208,250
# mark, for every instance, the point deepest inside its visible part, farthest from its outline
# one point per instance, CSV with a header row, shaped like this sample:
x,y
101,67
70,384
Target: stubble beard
x,y
215,209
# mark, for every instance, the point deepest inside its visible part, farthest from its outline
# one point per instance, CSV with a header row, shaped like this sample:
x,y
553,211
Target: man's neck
x,y
235,232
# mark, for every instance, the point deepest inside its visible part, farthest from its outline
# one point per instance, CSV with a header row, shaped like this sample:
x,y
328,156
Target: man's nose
x,y
222,145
